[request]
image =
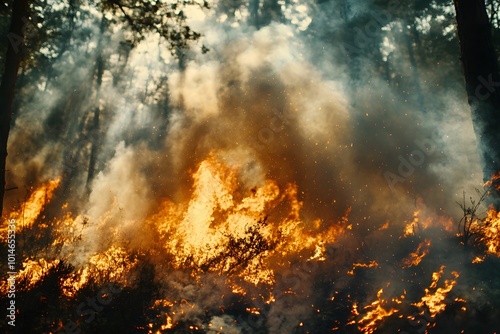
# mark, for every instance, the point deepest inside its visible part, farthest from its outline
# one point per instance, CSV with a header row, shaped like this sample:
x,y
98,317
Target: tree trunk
x,y
95,125
482,79
7,87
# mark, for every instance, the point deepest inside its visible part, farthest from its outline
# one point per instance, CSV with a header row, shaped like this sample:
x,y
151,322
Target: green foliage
x,y
166,18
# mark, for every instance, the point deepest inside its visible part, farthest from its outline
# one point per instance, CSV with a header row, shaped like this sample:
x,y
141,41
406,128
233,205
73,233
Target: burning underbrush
x,y
238,259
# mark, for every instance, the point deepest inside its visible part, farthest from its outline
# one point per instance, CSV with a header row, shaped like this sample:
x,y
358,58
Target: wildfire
x,y
478,259
225,228
169,323
416,257
412,226
376,313
491,232
246,234
493,180
422,220
34,205
196,230
385,226
214,190
371,264
99,265
435,301
34,270
253,310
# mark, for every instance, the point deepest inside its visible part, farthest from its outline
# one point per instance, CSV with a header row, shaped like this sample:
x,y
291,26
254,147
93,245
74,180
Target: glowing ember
x,y
385,226
478,259
253,310
371,264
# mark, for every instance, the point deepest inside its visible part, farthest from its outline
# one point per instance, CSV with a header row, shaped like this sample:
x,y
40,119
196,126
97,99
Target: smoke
x,y
258,99
225,323
263,102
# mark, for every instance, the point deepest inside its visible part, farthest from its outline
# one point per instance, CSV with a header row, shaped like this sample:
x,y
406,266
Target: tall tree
x,y
98,73
482,79
19,18
164,18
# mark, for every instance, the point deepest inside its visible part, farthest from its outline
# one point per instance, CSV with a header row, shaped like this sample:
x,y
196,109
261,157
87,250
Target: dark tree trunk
x,y
7,87
95,125
482,81
95,120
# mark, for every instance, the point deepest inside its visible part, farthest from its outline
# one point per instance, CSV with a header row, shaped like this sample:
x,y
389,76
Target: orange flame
x,y
225,228
371,264
490,231
412,226
32,272
377,313
478,259
416,257
419,223
35,204
111,266
435,301
493,180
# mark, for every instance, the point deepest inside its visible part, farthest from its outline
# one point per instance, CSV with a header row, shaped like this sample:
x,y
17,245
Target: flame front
x,y
225,228
243,237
